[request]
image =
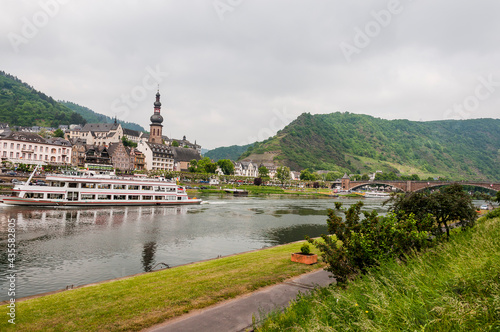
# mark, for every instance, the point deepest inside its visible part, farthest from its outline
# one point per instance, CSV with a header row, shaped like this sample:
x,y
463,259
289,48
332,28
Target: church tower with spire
x,y
155,131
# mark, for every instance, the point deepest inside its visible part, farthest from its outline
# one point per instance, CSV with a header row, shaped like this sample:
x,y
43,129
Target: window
x,y
119,197
133,187
104,186
119,186
24,146
18,146
147,198
71,184
5,154
147,188
17,154
158,198
133,197
36,147
33,195
87,196
12,154
55,196
5,145
88,185
103,196
11,145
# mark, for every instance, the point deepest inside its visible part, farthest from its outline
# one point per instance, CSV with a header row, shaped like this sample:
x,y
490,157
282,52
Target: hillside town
x,y
109,146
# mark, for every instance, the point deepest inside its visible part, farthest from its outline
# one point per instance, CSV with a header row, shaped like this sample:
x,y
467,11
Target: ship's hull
x,y
37,202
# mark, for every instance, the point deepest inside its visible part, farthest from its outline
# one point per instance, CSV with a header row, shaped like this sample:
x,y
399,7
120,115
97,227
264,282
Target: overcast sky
x,y
236,71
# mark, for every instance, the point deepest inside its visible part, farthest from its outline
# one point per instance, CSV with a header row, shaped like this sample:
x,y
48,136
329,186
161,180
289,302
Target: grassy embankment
x,y
257,190
453,287
138,302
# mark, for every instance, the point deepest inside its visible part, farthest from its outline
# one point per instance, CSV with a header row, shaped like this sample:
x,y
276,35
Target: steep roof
x,y
185,154
131,132
100,127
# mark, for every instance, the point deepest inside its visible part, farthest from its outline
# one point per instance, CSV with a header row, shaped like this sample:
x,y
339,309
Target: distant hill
x,y
93,117
457,149
22,105
232,152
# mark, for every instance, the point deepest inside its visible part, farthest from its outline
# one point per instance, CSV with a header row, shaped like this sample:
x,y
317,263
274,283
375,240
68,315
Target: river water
x,y
73,246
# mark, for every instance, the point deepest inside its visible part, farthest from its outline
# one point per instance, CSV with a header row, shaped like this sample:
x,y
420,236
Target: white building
x,y
157,156
98,133
30,148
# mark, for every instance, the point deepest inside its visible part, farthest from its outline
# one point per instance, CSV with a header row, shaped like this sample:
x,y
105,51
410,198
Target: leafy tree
x,y
497,199
306,175
226,166
450,204
263,172
257,181
58,133
205,165
283,174
175,143
365,177
332,176
128,142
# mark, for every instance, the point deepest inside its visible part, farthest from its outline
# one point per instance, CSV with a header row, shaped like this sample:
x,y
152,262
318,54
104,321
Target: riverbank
x,y
151,298
453,287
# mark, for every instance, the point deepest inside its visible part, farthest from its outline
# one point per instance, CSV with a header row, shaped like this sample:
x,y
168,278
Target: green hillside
x,y
458,149
232,152
22,105
93,117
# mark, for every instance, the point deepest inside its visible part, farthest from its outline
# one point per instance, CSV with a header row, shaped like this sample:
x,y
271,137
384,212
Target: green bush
x,y
305,249
358,244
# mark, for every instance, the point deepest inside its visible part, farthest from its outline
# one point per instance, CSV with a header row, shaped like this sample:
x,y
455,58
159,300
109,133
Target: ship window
x,y
104,186
133,187
119,186
88,185
147,198
33,195
55,196
73,185
147,187
103,196
158,198
133,197
119,197
87,196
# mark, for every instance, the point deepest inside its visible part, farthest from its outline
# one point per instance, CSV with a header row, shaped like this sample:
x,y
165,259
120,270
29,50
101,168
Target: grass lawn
x,y
452,287
135,303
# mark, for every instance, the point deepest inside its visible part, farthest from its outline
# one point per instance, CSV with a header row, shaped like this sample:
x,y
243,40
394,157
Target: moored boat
x,y
376,194
92,189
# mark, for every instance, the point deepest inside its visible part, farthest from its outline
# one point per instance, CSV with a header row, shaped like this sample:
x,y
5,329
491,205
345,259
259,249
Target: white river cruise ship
x,y
91,189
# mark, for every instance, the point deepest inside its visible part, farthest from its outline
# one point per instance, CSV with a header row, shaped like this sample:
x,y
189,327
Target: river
x,y
57,248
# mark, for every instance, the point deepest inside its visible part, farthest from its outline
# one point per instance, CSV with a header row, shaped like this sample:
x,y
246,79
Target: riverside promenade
x,y
237,314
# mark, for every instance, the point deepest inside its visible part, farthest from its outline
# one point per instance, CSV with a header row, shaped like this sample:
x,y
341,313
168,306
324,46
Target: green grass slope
x,y
22,105
453,287
458,149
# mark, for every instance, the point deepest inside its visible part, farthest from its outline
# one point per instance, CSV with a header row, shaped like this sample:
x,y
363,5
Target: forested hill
x,y
22,105
93,117
232,152
458,149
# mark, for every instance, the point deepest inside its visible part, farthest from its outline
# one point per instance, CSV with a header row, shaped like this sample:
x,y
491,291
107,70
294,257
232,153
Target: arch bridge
x,y
411,186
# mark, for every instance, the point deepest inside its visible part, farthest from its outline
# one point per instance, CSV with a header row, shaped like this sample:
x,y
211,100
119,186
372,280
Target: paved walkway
x,y
236,314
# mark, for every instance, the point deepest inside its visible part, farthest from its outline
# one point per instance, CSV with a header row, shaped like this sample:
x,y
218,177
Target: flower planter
x,y
304,259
